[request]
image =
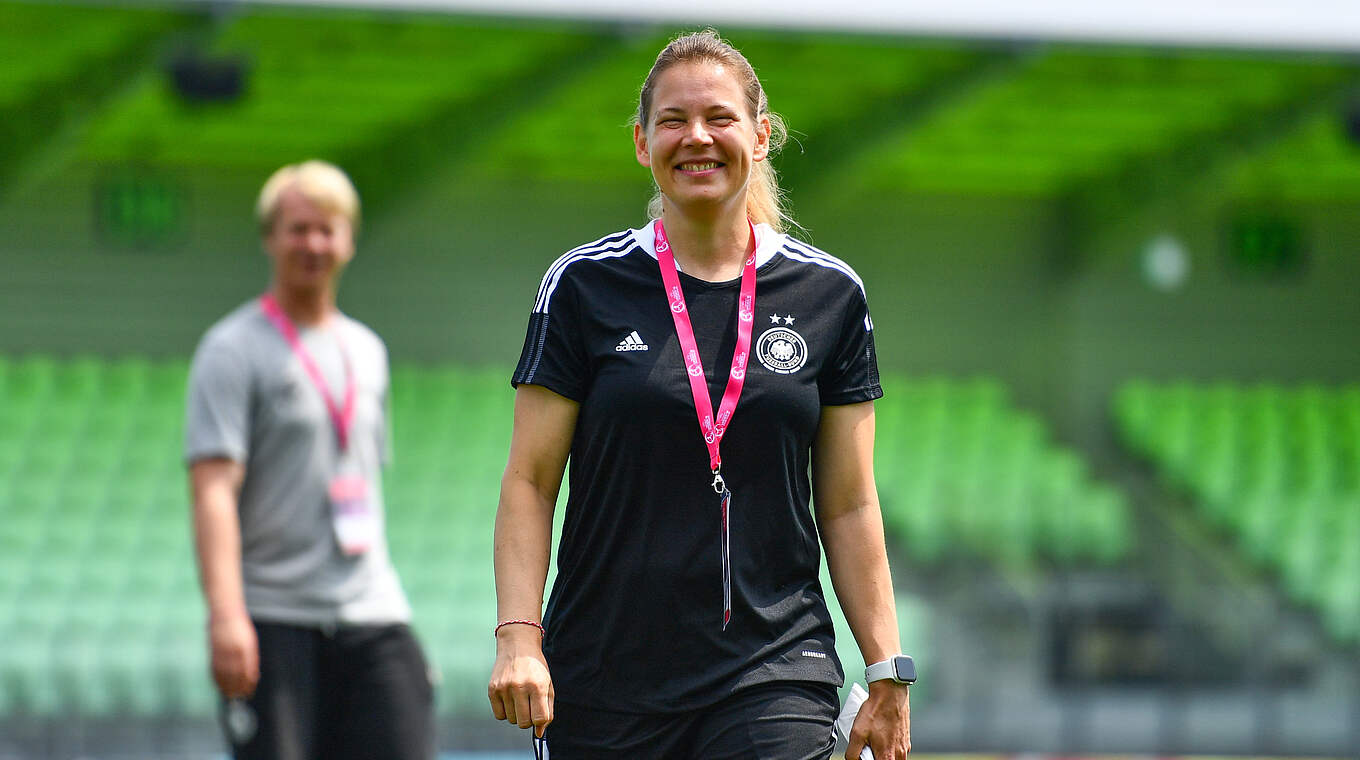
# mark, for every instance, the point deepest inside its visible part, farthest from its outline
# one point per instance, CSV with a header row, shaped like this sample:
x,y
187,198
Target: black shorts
x,y
781,720
354,693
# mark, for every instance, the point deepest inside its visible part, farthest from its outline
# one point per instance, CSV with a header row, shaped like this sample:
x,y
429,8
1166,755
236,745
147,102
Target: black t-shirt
x,y
634,622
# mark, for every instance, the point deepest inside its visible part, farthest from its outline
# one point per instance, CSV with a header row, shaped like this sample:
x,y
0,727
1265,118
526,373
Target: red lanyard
x,y
712,429
342,417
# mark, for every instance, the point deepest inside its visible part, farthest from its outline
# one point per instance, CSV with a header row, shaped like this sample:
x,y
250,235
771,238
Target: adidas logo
x,y
632,343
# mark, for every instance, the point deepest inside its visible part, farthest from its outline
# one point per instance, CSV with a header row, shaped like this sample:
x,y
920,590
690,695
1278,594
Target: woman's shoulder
x,y
585,260
818,262
613,245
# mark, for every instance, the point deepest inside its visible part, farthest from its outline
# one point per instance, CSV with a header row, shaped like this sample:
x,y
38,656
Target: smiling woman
x,y
687,619
722,66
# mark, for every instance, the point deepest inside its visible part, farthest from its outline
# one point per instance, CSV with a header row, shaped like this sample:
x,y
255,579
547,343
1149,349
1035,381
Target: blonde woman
x,y
692,373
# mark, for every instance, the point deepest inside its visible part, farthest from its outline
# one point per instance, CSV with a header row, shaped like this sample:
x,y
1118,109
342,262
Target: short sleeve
x,y
217,417
554,354
851,374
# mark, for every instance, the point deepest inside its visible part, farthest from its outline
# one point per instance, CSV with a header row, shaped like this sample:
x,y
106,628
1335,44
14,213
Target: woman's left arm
x,y
846,503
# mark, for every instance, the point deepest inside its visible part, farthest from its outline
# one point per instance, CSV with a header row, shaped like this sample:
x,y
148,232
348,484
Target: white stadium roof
x,y
1285,24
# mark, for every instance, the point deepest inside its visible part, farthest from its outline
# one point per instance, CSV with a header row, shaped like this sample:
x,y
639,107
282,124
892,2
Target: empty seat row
x,y
965,475
1274,468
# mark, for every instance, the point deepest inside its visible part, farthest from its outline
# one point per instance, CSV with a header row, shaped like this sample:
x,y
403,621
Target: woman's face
x,y
699,140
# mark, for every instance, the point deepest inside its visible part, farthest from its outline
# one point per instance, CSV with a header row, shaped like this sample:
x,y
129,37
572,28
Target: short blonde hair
x,y
320,182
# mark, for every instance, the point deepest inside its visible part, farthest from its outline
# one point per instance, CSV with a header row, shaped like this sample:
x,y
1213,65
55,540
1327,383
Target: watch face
x,y
904,668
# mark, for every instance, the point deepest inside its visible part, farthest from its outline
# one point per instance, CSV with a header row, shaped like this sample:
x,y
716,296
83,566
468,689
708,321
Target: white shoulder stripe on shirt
x,y
617,244
799,251
804,252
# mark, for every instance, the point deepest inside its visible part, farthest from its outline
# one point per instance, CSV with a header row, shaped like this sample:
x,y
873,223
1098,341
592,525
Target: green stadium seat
x,y
77,381
36,490
25,672
1272,467
21,530
76,660
1340,592
30,378
125,380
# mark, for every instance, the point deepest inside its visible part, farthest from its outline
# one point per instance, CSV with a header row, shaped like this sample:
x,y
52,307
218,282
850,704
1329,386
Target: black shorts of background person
x,y
352,693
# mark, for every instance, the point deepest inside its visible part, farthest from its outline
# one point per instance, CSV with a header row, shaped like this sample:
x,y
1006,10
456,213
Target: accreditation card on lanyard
x,y
353,513
713,428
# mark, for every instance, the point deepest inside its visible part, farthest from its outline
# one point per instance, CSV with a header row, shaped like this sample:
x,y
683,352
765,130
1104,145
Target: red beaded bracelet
x,y
541,630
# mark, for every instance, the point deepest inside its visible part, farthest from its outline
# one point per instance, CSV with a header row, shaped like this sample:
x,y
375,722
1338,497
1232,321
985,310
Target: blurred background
x,y
1112,270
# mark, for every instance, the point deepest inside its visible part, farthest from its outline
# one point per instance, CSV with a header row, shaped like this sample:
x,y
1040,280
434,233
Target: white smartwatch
x,y
899,668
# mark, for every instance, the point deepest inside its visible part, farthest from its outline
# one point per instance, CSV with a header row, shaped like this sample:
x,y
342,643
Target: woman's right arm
x,y
521,689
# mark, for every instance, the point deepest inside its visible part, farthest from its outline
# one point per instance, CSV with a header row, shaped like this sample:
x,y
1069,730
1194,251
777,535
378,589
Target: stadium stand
x,y
1316,162
1068,114
99,604
804,76
368,89
59,58
305,76
965,476
807,77
1275,468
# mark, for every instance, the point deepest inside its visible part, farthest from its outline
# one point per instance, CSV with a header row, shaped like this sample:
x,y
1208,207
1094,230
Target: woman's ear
x,y
644,157
762,139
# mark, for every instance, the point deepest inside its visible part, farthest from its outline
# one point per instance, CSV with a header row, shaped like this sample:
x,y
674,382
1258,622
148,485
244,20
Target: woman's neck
x,y
712,250
309,308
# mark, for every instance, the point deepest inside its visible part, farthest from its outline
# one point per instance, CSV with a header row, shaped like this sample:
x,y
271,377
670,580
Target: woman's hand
x,y
521,689
883,723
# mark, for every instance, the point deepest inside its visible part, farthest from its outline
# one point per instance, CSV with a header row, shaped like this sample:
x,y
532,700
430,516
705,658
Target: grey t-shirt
x,y
251,400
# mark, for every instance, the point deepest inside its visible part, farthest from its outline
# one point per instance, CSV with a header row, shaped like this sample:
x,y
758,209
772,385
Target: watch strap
x,y
886,670
880,671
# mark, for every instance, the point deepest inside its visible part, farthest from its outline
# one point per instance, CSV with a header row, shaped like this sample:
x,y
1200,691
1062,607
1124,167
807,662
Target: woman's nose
x,y
697,133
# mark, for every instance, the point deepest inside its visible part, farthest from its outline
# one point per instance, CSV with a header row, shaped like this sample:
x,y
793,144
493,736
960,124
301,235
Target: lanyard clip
x,y
718,485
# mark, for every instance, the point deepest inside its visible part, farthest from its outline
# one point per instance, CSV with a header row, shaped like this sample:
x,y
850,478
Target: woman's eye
x,y
721,121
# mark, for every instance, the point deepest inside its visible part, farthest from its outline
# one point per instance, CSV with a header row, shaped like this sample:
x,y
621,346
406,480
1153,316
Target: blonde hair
x,y
320,182
764,198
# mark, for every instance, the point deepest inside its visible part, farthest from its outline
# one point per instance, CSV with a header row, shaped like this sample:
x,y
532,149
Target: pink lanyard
x,y
343,418
712,429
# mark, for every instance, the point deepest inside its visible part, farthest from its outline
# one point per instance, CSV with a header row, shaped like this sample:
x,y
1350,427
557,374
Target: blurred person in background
x,y
687,619
285,440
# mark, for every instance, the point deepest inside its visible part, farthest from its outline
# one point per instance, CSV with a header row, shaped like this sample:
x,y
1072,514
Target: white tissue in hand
x,y
853,701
